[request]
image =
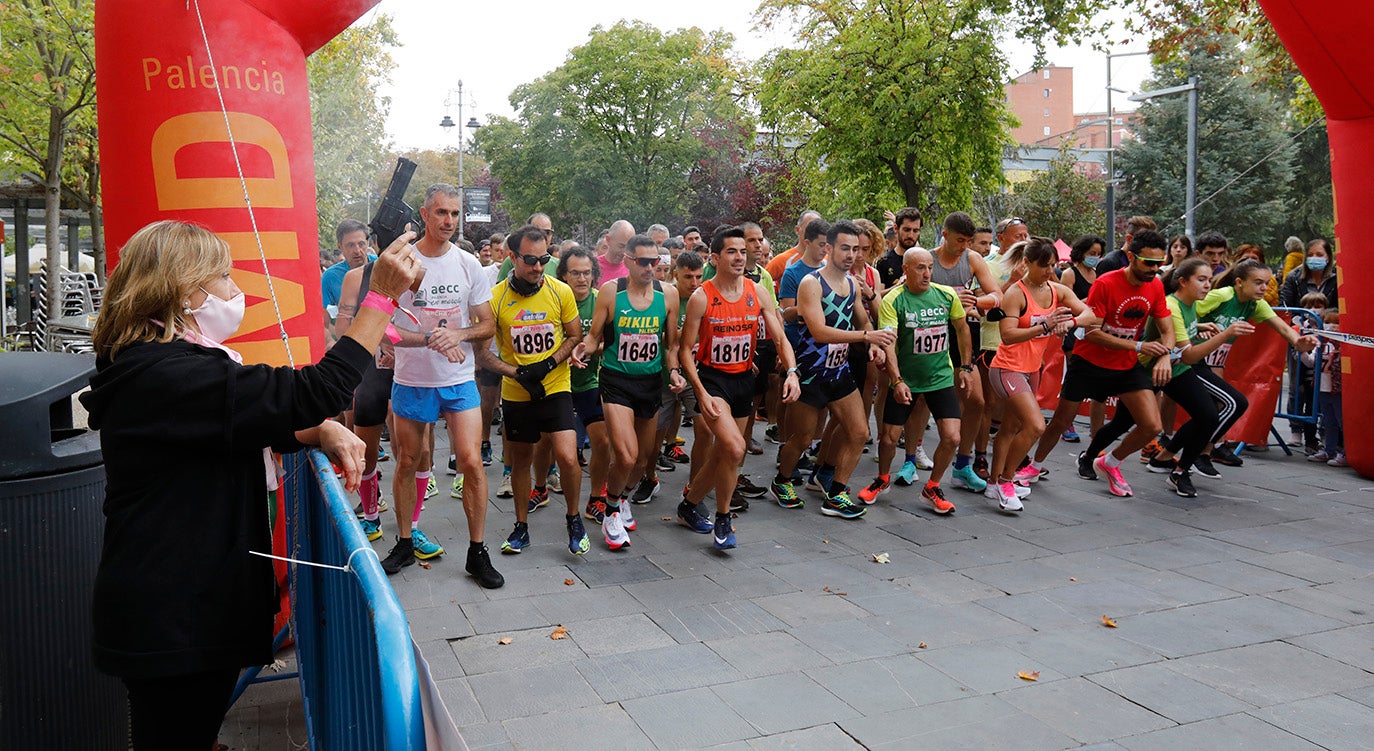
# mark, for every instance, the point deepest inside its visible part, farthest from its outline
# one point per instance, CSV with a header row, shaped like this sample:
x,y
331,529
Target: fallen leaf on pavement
x,y
569,582
503,641
825,542
667,518
922,645
1072,579
559,633
1032,676
1108,622
881,558
825,589
424,565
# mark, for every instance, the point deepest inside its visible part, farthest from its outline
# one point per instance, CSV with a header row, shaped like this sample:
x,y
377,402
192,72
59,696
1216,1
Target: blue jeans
x,y
1333,431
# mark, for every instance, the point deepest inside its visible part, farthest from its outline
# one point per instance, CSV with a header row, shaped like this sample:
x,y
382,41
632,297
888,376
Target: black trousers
x,y
1213,406
179,712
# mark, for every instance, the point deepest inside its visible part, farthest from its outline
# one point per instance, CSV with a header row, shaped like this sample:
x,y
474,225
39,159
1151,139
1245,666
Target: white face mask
x,y
218,318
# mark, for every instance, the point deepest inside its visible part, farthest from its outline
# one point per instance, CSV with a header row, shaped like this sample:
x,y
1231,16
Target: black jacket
x,y
1296,284
182,428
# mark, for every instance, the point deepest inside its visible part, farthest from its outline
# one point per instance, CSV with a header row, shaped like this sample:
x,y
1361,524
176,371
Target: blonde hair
x,y
160,266
876,246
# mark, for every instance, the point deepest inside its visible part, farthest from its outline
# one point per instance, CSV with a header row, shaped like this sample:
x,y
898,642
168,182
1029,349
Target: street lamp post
x,y
1190,184
1111,152
471,124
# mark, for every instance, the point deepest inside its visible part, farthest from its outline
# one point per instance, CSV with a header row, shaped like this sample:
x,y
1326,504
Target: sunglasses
x,y
537,260
645,262
1153,262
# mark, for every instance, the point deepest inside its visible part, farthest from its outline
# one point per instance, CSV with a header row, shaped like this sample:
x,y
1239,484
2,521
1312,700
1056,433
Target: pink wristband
x,y
378,301
392,333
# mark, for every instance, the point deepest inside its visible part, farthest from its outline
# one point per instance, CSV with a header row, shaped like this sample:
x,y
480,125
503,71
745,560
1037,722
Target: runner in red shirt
x,y
1105,360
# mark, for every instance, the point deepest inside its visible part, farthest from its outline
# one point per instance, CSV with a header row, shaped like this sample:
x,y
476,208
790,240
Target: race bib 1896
x,y
532,339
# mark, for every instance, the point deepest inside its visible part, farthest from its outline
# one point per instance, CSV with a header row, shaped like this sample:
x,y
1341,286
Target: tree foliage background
x,y
1061,202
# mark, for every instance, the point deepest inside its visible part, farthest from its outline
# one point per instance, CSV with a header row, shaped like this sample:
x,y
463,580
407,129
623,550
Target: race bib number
x,y
930,340
1218,357
438,318
534,339
836,355
729,350
637,348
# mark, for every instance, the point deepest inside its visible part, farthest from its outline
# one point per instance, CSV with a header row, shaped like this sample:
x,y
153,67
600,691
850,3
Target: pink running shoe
x,y
1027,475
1115,481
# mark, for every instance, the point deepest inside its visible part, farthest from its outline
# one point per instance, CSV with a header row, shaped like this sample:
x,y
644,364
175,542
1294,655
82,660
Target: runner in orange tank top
x,y
722,317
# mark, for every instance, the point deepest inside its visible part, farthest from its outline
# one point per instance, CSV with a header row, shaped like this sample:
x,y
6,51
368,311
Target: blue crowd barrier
x,y
357,667
1290,407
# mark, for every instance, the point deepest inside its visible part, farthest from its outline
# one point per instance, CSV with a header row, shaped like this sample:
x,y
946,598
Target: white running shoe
x,y
626,516
616,536
553,482
1006,501
922,459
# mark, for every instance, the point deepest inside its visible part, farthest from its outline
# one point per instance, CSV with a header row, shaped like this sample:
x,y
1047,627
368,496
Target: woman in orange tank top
x,y
1038,311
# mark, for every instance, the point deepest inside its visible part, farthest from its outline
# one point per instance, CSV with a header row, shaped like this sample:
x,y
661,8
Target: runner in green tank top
x,y
580,271
632,325
585,378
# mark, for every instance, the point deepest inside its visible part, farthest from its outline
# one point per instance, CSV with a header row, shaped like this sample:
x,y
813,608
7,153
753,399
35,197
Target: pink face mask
x,y
218,318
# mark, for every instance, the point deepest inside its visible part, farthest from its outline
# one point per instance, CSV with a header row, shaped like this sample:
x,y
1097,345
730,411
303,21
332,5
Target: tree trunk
x,y
52,209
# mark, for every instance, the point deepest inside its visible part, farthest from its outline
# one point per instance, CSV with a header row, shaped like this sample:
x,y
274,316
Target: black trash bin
x,y
52,486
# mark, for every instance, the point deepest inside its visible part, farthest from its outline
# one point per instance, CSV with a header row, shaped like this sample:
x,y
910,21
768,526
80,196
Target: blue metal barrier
x,y
1290,408
353,646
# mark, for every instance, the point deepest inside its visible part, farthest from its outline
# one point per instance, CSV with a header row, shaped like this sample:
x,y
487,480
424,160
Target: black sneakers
x,y
402,555
1085,466
1203,466
1182,484
479,565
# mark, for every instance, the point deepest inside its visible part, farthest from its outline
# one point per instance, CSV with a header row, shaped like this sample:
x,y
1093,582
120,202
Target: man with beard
x,y
908,222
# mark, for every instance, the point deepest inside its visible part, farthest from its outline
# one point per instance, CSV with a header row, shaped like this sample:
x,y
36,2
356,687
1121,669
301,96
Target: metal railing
x,y
357,665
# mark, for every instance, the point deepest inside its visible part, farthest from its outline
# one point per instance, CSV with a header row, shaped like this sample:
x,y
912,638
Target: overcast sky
x,y
493,47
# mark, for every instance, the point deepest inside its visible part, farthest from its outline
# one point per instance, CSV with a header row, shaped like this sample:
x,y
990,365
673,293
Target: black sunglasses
x,y
537,260
645,262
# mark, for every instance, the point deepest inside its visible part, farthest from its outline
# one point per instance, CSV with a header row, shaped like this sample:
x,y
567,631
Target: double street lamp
x,y
472,124
1190,189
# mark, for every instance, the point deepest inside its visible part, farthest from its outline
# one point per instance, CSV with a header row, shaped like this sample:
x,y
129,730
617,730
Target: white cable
x,y
247,200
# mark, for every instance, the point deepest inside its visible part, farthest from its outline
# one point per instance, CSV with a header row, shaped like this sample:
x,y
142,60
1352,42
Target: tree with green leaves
x,y
347,114
902,101
1061,202
616,131
47,90
1245,153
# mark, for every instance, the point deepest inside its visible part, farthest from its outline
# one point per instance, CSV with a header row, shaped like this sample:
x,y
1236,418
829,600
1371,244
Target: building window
x,y
1047,130
1047,75
1118,121
1047,93
1047,112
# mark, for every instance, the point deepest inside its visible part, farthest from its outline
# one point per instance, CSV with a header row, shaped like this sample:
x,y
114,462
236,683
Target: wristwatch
x,y
966,368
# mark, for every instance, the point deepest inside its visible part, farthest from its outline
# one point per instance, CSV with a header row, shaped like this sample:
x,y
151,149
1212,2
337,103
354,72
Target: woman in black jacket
x,y
186,430
1316,274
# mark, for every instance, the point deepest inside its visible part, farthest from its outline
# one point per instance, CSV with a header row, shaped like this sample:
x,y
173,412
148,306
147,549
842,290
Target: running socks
x,y
932,484
961,461
836,487
421,487
370,491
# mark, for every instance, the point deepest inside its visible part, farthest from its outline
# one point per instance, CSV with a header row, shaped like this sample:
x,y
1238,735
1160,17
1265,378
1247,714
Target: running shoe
x,y
479,566
616,536
664,464
1150,451
381,506
676,455
965,478
424,547
627,517
689,516
538,499
486,453
457,491
432,489
724,536
786,495
596,510
815,482
644,491
936,498
452,464
738,503
1071,436
382,455
906,475
922,459
1085,466
842,506
1339,461
876,488
806,463
581,457
1227,457
504,489
797,478
553,482
577,536
401,555
1027,475
771,434
679,440
1320,456
980,466
1161,466
686,421
1005,495
519,539
746,487
1182,484
373,529
755,448
1203,466
1115,482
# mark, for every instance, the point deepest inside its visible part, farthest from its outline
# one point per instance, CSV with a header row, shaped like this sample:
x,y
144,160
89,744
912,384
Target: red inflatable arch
x,y
165,152
1327,40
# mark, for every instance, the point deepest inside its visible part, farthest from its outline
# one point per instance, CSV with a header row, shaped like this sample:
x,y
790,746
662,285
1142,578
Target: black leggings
x,y
1212,404
179,712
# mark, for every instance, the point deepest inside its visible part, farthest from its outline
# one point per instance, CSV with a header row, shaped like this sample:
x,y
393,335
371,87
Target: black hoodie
x,y
183,428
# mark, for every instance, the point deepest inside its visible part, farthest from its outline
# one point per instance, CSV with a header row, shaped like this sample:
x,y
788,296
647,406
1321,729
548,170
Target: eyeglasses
x,y
580,274
645,263
537,260
548,233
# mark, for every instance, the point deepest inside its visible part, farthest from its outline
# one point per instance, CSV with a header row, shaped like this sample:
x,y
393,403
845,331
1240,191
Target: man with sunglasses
x,y
537,326
545,225
1105,362
635,324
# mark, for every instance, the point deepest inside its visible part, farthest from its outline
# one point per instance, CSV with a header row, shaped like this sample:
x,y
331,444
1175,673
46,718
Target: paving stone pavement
x,y
1244,618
